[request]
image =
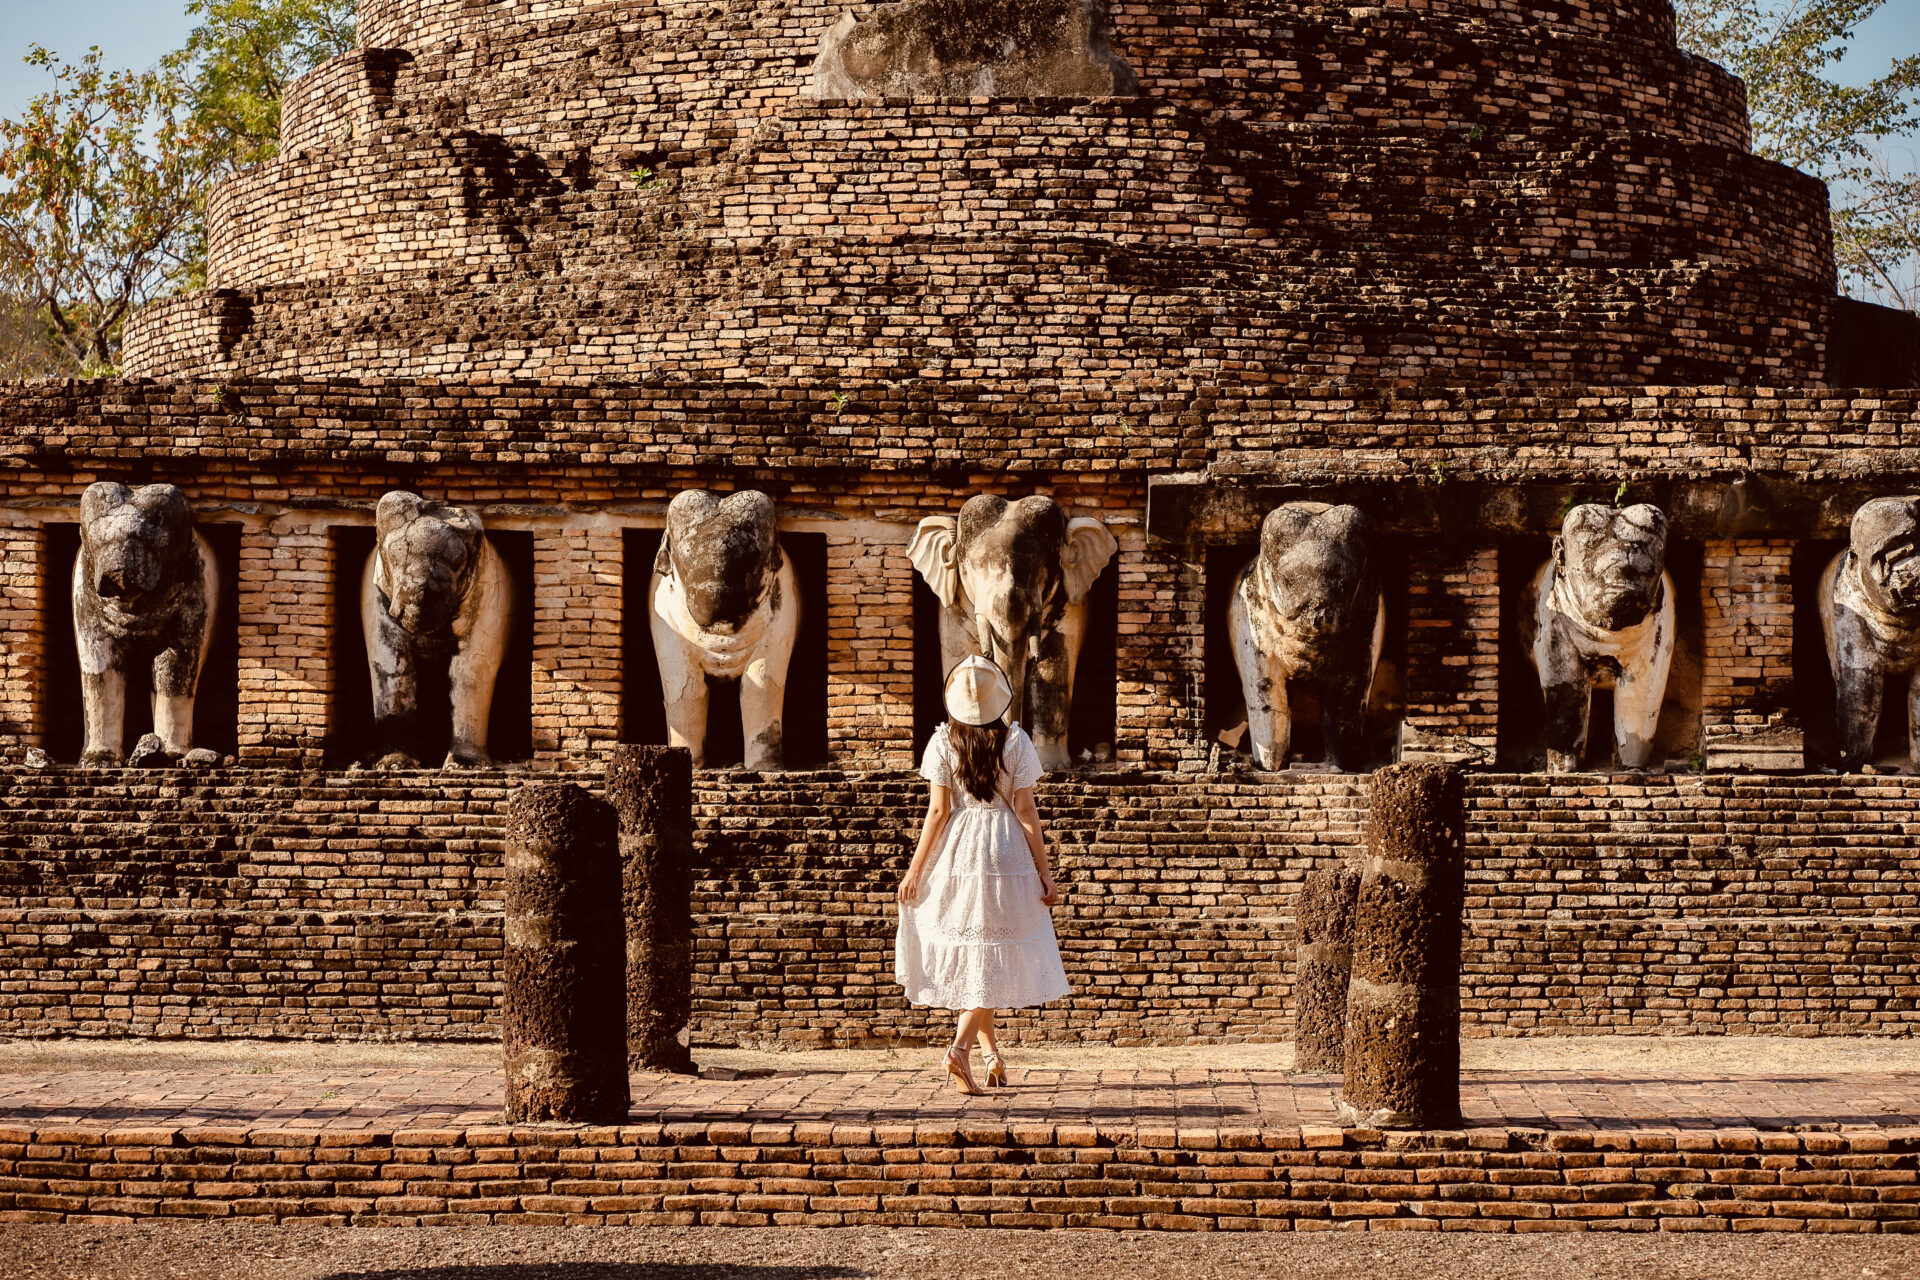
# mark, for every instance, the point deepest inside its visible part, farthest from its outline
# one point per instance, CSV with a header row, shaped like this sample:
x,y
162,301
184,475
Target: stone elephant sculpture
x,y
1012,578
435,591
726,604
1870,613
1309,607
1599,615
145,593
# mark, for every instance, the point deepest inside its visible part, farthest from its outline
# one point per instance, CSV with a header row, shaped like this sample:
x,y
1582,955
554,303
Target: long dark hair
x,y
977,748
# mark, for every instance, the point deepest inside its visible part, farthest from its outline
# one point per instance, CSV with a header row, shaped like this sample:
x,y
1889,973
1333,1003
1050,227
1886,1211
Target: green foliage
x,y
104,178
27,345
647,180
1788,51
238,62
100,203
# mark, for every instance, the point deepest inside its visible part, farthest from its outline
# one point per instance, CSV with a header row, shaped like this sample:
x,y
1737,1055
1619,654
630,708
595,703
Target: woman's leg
x,y
970,1028
985,1031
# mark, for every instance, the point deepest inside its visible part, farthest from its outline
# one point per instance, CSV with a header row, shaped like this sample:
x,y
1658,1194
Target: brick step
x,y
806,979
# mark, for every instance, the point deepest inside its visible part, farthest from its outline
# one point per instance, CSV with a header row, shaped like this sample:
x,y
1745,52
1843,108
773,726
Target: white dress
x,y
979,937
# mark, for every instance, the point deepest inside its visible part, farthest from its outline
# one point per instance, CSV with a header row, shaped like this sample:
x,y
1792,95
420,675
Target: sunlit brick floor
x,y
354,1094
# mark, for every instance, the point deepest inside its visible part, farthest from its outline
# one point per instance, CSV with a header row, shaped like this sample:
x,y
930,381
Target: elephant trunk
x,y
1010,654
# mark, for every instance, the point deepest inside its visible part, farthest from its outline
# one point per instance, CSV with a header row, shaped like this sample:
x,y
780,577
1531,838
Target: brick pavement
x,y
1120,1102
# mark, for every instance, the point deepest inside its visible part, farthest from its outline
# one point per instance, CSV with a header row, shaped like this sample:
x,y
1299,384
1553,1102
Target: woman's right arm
x,y
939,809
1028,814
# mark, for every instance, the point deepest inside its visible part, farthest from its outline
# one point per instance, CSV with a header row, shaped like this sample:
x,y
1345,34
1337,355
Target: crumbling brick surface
x,y
264,903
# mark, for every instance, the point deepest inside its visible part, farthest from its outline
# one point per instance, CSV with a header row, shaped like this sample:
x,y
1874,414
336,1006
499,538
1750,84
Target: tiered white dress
x,y
979,937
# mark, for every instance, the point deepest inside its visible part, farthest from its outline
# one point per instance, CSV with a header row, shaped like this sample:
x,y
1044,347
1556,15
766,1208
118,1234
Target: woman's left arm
x,y
1029,815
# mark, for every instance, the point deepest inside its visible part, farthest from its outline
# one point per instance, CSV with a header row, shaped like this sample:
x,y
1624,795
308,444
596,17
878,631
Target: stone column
x,y
652,790
1324,910
1403,1002
565,1016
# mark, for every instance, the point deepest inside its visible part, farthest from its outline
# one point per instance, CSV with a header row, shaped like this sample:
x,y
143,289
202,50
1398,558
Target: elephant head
x,y
725,553
1612,563
1315,571
138,542
1012,577
429,555
1885,547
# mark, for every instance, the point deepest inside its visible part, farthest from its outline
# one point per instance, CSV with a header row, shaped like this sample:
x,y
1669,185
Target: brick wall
x,y
22,630
702,1171
579,577
244,902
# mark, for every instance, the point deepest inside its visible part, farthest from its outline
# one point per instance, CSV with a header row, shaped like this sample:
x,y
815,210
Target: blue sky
x,y
135,33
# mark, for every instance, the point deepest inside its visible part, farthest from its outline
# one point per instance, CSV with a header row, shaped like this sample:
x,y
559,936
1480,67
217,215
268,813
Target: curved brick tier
x,y
1463,194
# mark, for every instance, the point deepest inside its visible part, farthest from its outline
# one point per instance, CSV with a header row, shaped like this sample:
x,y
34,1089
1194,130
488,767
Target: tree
x,y
105,177
103,192
1787,51
27,348
238,62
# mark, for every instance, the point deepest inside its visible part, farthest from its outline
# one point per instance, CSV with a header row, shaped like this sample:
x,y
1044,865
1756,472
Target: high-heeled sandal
x,y
996,1069
960,1071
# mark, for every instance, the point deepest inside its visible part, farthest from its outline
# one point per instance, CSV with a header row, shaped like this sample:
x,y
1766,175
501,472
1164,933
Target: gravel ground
x,y
1667,1055
194,1252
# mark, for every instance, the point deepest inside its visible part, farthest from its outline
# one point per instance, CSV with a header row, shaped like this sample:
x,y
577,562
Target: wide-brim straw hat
x,y
978,692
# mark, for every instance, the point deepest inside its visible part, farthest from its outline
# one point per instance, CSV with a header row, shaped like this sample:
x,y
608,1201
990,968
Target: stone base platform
x,y
1177,1147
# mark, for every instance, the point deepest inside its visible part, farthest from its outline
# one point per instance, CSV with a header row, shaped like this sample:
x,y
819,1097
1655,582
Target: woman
x,y
975,934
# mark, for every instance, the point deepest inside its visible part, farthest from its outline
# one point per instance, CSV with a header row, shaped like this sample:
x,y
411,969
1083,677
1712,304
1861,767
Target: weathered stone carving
x,y
145,592
651,788
435,590
1600,613
1308,607
1402,1048
1870,613
563,1014
725,604
1323,968
973,49
1012,578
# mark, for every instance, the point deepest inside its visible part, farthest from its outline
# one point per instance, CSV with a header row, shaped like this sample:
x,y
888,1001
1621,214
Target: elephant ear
x,y
1088,548
935,552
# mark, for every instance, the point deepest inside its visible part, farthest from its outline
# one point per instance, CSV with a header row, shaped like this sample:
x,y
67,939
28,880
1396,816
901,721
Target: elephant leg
x,y
1856,695
103,698
396,702
686,694
175,679
1636,714
763,685
470,677
683,687
1343,718
476,663
1569,703
762,707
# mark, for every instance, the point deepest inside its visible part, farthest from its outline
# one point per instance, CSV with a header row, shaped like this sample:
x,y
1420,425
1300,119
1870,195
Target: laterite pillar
x,y
565,1016
1324,967
652,790
1403,1001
